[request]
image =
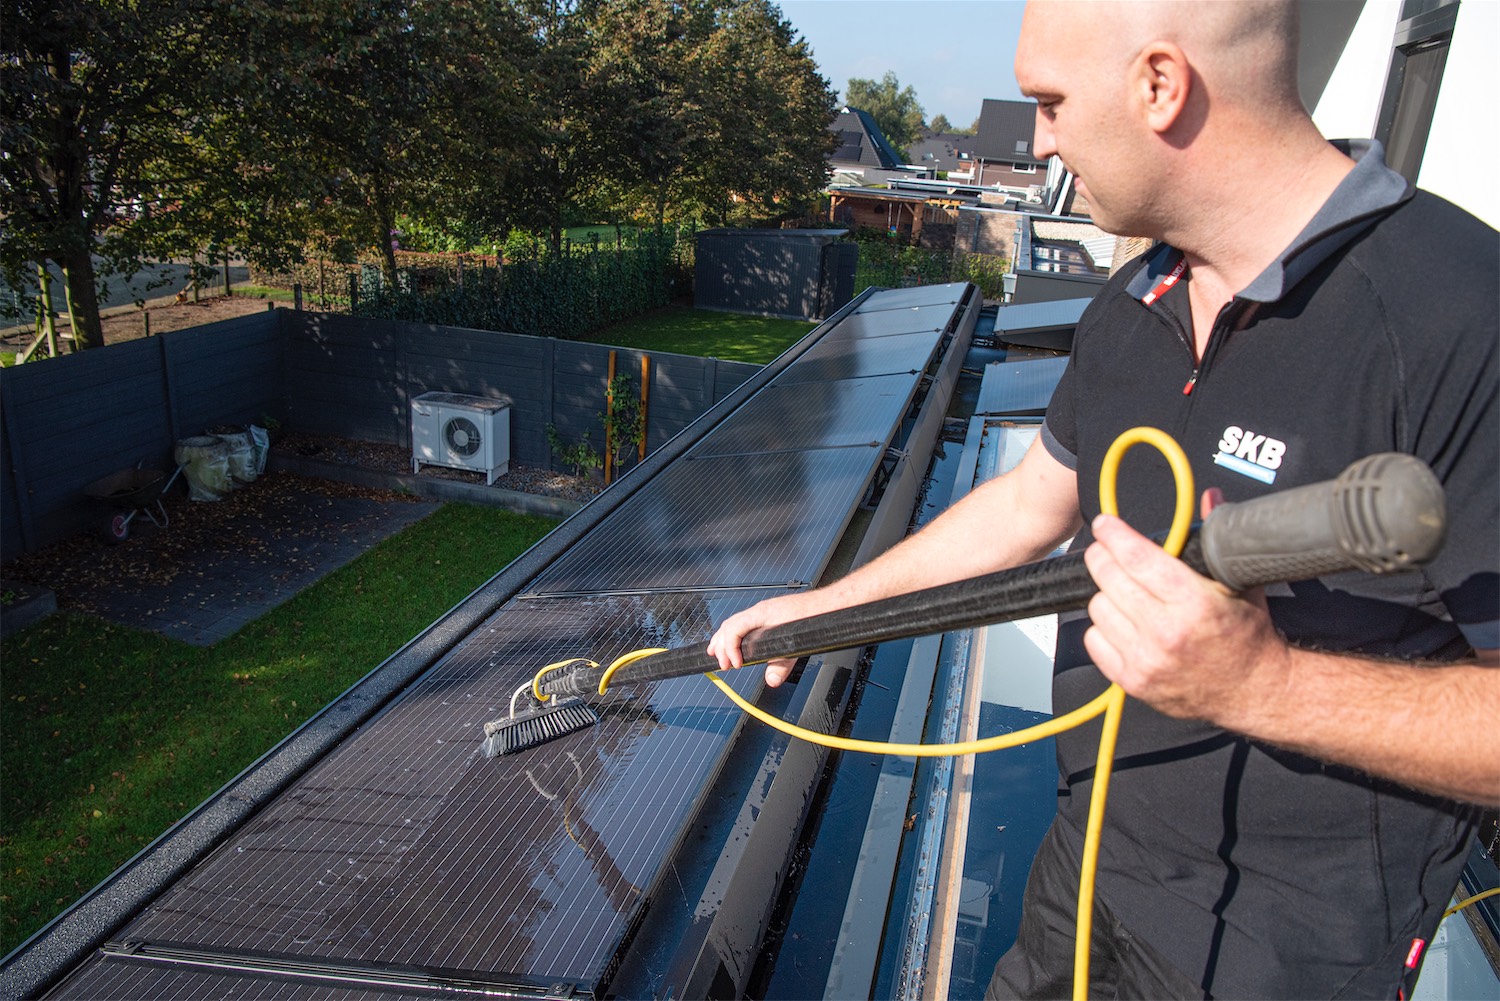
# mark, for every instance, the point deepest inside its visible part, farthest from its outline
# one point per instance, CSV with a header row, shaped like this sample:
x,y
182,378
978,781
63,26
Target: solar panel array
x,y
404,859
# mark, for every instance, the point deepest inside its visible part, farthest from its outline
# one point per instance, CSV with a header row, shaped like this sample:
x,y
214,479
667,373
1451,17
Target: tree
x,y
769,110
93,97
895,109
357,112
709,105
940,124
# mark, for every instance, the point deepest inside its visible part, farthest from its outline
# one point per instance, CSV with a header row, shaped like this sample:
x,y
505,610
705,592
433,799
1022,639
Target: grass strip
x,y
108,735
706,333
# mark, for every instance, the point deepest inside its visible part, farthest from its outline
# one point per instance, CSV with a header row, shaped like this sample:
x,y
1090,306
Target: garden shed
x,y
800,274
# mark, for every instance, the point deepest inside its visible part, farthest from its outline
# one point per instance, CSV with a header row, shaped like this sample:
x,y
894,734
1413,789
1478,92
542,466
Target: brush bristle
x,y
508,735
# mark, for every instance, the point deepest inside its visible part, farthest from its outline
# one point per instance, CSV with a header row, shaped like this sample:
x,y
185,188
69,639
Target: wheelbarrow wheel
x,y
117,529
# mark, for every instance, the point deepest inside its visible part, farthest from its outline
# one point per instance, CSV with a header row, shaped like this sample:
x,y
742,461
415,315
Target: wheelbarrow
x,y
128,493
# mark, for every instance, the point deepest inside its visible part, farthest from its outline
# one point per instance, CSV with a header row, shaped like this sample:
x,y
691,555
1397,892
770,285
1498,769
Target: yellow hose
x,y
1110,704
1470,900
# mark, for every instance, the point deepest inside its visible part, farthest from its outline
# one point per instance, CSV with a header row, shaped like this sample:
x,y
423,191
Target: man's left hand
x,y
1175,639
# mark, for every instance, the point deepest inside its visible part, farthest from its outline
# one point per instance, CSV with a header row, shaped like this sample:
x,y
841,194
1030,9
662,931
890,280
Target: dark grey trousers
x,y
1040,964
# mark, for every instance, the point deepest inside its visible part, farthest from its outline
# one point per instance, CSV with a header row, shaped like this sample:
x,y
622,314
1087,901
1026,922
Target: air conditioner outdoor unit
x,y
461,432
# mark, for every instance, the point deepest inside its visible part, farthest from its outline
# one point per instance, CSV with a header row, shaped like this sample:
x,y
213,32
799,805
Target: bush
x,y
893,263
566,294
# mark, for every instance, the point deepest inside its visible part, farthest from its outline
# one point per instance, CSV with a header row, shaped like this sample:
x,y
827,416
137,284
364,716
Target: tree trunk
x,y
83,300
385,219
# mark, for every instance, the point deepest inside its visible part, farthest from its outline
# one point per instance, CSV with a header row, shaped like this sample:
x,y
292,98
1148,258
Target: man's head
x,y
1143,101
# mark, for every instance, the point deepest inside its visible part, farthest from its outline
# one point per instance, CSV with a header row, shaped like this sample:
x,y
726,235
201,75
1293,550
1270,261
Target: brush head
x,y
510,734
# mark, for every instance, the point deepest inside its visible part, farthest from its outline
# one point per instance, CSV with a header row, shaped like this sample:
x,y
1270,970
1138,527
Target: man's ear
x,y
1161,81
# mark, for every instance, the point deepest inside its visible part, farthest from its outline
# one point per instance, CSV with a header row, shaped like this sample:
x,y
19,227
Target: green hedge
x,y
891,264
550,294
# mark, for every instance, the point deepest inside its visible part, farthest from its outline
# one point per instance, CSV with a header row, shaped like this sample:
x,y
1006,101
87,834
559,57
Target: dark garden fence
x,y
70,421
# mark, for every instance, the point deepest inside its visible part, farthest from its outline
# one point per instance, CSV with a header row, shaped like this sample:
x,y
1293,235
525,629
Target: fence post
x,y
228,288
353,292
297,296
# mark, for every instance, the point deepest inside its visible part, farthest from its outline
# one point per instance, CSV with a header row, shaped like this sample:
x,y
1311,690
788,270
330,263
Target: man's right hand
x,y
725,644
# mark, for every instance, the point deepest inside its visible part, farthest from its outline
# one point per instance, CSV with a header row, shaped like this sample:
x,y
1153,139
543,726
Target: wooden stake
x,y
645,394
609,422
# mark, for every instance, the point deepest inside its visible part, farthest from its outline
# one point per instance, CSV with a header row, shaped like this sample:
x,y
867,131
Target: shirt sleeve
x,y
1059,430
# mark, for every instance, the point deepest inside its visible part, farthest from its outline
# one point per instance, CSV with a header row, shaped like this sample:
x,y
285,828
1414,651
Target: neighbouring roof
x,y
943,151
1006,131
861,141
1099,245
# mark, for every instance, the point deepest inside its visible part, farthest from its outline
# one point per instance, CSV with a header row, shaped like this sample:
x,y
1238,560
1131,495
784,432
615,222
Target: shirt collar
x,y
1366,193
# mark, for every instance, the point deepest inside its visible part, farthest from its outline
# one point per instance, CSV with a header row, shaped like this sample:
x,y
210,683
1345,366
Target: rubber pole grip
x,y
1382,514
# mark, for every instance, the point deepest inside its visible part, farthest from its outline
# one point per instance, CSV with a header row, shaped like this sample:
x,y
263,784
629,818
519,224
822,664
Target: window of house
x,y
1023,168
1420,52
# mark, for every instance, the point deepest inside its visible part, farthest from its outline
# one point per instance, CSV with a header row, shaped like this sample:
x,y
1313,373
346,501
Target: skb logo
x,y
1255,455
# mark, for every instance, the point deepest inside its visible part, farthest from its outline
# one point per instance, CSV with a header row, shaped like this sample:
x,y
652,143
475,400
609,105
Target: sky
x,y
953,53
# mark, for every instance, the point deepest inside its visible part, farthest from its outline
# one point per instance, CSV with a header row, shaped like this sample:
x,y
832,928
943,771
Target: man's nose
x,y
1042,142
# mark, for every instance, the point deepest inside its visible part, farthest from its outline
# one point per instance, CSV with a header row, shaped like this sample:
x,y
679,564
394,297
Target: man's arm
x,y
1004,522
1185,645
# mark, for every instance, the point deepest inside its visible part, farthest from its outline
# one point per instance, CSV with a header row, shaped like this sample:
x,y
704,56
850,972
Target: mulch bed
x,y
152,557
396,459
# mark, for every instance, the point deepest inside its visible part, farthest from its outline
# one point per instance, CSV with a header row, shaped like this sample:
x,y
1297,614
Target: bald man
x,y
1296,771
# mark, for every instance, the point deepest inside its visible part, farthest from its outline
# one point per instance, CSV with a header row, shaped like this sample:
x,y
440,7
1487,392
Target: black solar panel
x,y
406,846
852,358
124,978
735,520
405,849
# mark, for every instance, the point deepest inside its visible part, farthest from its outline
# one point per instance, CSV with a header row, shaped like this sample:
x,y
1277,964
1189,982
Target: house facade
x,y
1003,147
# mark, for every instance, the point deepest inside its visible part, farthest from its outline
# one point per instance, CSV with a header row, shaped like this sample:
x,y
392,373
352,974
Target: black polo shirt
x,y
1262,872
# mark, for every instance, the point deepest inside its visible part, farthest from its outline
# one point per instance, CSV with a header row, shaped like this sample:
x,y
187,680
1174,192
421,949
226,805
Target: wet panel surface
x,y
950,294
896,322
115,978
734,520
406,846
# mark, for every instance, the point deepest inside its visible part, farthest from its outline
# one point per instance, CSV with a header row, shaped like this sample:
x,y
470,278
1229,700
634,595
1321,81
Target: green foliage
x,y
890,263
109,735
93,101
537,291
578,456
624,420
896,110
328,130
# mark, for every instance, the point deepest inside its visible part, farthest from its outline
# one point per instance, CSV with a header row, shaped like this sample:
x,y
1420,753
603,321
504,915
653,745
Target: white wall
x,y
1459,163
1464,143
1351,101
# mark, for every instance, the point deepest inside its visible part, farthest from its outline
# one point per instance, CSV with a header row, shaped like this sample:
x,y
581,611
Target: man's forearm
x,y
1426,726
987,531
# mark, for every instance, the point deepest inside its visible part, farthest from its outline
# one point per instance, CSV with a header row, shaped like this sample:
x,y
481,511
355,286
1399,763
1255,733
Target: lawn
x,y
706,333
109,735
